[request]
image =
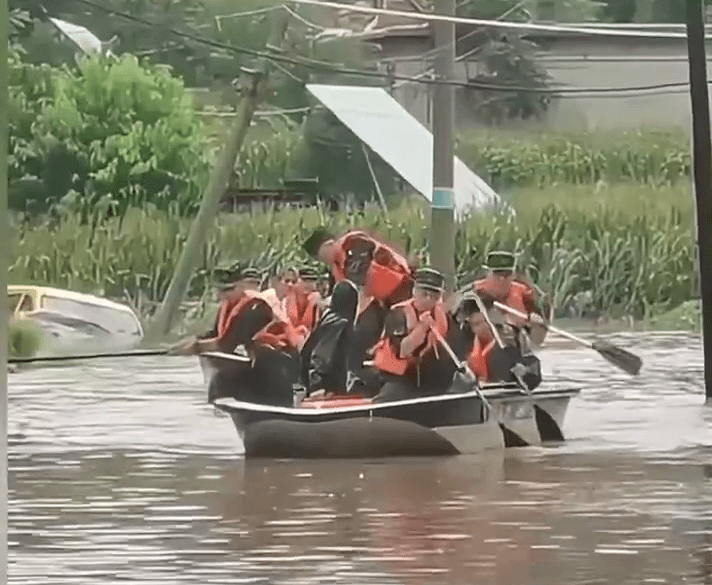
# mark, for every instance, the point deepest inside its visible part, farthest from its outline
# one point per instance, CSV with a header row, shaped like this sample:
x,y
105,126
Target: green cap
x,y
500,260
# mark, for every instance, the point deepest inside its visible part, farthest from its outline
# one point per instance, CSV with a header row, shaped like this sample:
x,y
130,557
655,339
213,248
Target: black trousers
x,y
269,381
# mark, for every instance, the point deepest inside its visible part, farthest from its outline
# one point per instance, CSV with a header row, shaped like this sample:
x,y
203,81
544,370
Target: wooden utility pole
x,y
702,161
5,245
442,213
219,179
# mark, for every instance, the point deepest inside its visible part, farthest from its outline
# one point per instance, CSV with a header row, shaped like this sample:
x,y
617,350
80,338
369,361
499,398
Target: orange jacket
x,y
303,311
278,333
478,358
388,360
519,296
388,269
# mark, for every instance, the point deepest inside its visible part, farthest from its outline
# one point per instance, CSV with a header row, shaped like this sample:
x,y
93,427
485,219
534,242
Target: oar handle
x,y
485,314
447,347
551,328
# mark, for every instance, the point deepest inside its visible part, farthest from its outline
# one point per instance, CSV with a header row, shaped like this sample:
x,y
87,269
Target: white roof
x,y
401,141
80,36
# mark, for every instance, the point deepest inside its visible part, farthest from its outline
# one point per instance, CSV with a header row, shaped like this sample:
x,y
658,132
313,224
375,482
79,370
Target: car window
x,y
120,322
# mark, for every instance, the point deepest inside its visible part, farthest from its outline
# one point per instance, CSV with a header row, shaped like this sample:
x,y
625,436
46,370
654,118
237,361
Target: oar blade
x,y
623,359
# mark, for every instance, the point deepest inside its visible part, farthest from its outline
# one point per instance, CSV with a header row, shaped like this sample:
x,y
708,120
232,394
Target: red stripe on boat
x,y
336,402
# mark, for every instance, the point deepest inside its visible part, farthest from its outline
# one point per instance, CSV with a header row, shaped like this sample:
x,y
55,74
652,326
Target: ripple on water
x,y
119,472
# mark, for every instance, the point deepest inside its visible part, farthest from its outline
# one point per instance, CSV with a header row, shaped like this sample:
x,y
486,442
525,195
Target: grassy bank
x,y
627,251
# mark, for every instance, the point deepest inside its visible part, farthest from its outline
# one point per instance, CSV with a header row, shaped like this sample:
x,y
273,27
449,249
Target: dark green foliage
x,y
509,61
113,134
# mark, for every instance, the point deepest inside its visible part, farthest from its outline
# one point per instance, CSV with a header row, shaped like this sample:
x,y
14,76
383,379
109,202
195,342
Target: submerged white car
x,y
74,321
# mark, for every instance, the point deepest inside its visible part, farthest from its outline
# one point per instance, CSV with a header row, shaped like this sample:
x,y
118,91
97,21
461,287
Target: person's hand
x,y
187,347
426,320
537,319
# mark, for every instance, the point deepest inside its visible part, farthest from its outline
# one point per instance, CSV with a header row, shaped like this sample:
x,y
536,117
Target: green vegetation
x,y
24,338
595,256
687,316
114,134
535,158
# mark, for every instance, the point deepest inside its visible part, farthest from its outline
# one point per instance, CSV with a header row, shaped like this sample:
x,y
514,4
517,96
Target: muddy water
x,y
120,473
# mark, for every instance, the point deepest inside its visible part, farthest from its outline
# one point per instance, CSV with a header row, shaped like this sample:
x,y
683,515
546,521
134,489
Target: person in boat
x,y
486,359
231,283
324,356
501,285
384,273
384,278
281,285
409,357
261,326
303,302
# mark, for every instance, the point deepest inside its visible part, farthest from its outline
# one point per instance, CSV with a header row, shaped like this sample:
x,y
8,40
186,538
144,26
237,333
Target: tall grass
x,y
629,252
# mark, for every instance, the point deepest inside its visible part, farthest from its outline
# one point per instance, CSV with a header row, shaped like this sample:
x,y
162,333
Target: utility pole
x,y
253,91
702,160
5,244
442,213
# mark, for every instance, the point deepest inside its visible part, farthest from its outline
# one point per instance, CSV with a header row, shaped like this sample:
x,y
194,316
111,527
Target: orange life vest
x,y
278,333
385,357
519,297
387,271
302,310
478,358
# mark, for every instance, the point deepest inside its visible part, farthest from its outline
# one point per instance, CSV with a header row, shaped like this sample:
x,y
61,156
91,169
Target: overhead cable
x,y
330,67
527,26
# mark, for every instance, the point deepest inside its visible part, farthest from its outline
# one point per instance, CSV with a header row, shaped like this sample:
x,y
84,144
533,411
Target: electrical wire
x,y
330,67
602,31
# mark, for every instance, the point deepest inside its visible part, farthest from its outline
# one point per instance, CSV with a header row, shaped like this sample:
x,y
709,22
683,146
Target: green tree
x,y
113,134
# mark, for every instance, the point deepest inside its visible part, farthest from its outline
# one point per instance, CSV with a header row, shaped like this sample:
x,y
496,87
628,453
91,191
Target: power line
x,y
335,68
602,31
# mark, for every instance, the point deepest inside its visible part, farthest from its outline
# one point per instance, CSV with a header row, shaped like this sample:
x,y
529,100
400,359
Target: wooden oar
x,y
619,357
463,368
499,341
134,353
89,356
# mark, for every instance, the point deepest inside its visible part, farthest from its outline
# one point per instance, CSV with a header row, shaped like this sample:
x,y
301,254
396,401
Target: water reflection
x,y
121,473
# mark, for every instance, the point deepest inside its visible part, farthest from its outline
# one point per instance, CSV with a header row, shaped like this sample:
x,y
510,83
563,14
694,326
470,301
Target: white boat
x,y
74,321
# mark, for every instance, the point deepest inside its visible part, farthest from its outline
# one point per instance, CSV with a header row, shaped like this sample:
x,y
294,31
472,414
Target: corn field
x,y
607,260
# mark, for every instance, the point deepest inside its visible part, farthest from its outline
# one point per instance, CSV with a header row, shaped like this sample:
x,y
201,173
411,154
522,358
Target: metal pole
x,y
219,180
442,216
702,157
5,245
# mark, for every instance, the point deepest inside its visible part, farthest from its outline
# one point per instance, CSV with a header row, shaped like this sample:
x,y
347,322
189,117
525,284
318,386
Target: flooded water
x,y
121,473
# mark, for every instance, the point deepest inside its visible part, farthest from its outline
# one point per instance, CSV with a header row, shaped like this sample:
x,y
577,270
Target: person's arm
x,y
240,330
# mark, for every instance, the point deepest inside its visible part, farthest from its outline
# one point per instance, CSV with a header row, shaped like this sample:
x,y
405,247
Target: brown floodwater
x,y
121,473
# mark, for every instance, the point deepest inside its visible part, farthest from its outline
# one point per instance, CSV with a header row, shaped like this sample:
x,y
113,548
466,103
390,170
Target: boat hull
x,y
443,425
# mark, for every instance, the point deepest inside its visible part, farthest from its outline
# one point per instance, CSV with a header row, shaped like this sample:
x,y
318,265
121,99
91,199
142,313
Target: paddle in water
x,y
619,357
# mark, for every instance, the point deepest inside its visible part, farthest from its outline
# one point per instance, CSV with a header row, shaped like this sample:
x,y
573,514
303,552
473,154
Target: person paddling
x,y
230,284
408,356
488,361
500,285
257,323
